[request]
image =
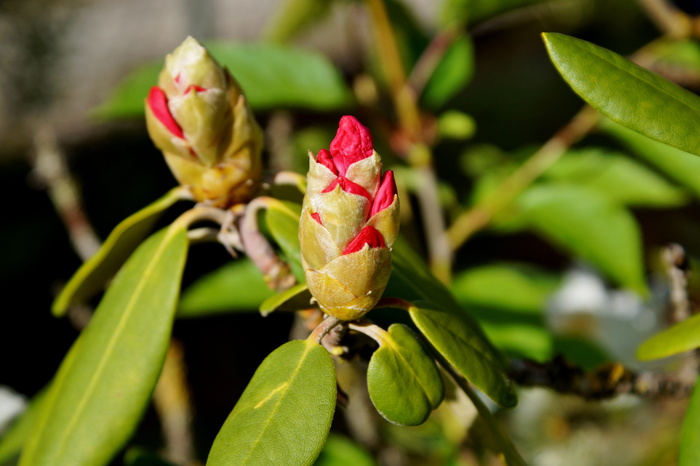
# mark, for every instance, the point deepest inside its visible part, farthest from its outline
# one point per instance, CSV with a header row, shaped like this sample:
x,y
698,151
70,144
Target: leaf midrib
x,y
112,342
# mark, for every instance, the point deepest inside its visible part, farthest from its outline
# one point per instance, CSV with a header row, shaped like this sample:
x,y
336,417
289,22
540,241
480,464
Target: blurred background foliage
x,y
570,267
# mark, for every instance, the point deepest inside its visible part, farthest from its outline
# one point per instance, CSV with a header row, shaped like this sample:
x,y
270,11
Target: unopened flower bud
x,y
200,119
349,221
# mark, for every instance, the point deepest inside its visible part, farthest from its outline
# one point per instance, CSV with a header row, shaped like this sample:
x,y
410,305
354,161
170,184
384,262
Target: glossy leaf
x,y
93,275
106,380
617,176
690,434
680,166
341,451
451,75
285,413
235,287
684,336
295,298
627,93
453,336
272,76
590,226
282,220
403,380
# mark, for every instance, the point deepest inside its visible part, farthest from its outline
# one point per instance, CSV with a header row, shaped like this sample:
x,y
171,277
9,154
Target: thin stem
x,y
324,328
510,454
479,216
419,154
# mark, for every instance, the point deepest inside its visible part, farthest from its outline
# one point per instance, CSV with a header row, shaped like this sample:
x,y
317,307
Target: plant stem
x,y
418,152
479,216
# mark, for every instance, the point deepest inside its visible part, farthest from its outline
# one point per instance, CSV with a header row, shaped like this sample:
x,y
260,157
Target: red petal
x,y
195,87
326,159
352,143
368,235
158,103
317,217
385,193
348,186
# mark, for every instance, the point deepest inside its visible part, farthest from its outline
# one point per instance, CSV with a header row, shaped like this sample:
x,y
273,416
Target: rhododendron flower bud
x,y
349,221
199,117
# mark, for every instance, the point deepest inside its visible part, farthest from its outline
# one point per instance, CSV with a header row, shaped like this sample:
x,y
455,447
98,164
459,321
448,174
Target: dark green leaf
x,y
684,336
618,177
454,337
628,94
590,226
451,75
341,451
680,166
285,413
690,435
105,381
92,276
404,383
237,286
272,76
282,220
295,298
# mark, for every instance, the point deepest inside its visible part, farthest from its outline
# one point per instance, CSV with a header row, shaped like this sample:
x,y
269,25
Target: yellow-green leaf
x,y
92,276
285,413
403,380
627,93
295,298
690,435
104,383
684,336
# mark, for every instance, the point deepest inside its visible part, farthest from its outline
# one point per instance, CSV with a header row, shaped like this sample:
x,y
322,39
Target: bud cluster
x,y
199,117
349,221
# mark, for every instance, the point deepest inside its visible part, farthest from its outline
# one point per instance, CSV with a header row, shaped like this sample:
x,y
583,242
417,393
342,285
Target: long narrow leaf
x,y
627,93
92,276
105,381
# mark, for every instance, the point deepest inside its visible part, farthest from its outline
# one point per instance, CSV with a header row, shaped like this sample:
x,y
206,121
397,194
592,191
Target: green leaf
x,y
528,287
451,75
235,287
282,220
513,321
590,226
680,166
690,434
626,93
104,383
285,413
295,16
618,177
341,451
454,337
404,383
92,276
271,75
684,336
294,299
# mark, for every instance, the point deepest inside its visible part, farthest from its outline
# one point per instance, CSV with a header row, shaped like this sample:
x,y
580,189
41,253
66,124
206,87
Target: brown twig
x,y
604,382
